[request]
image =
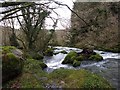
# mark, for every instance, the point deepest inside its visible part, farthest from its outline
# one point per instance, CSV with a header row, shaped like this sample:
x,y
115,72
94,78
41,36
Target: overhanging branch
x,y
71,11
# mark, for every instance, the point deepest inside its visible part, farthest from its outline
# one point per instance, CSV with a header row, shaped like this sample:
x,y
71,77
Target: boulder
x,y
12,62
69,59
80,58
75,59
96,57
89,54
76,63
48,52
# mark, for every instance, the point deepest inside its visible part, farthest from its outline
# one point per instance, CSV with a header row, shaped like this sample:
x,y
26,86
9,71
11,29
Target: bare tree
x,y
31,17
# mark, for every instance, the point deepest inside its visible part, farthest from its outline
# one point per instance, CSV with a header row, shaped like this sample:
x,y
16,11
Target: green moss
x,y
76,63
74,59
68,78
65,61
96,57
11,66
69,59
33,65
80,58
49,52
25,80
28,80
34,77
11,56
95,81
30,77
43,65
7,49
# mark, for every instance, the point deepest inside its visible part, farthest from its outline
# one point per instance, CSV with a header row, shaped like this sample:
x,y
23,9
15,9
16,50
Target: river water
x,y
107,68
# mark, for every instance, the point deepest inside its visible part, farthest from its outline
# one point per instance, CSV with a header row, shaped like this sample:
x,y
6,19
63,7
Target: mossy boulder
x,y
42,65
80,58
89,54
49,52
76,63
96,57
12,62
7,49
75,59
69,59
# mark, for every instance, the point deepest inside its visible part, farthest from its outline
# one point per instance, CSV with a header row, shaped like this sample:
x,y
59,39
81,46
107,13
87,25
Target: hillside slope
x,y
103,21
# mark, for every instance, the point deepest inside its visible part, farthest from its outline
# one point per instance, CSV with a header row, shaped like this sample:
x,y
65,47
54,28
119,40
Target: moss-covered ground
x,y
34,77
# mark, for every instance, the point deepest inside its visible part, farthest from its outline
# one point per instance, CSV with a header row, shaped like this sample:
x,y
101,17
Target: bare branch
x,y
6,4
71,11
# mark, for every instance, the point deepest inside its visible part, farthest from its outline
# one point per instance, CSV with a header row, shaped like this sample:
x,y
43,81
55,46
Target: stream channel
x,y
107,68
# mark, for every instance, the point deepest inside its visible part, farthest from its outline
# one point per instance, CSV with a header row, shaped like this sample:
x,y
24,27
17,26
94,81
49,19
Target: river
x,y
107,68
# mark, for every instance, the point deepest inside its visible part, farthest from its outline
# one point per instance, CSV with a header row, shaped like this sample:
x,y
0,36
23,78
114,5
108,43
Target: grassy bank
x,y
34,77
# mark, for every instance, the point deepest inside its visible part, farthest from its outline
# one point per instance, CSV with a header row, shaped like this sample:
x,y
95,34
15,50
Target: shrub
x,y
76,63
69,59
88,54
49,52
96,57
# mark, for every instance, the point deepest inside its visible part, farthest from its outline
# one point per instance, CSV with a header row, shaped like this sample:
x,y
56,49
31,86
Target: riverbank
x,y
115,49
34,77
109,69
87,75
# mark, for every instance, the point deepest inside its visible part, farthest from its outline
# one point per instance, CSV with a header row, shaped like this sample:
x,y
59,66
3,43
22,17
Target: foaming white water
x,y
108,68
55,61
106,55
